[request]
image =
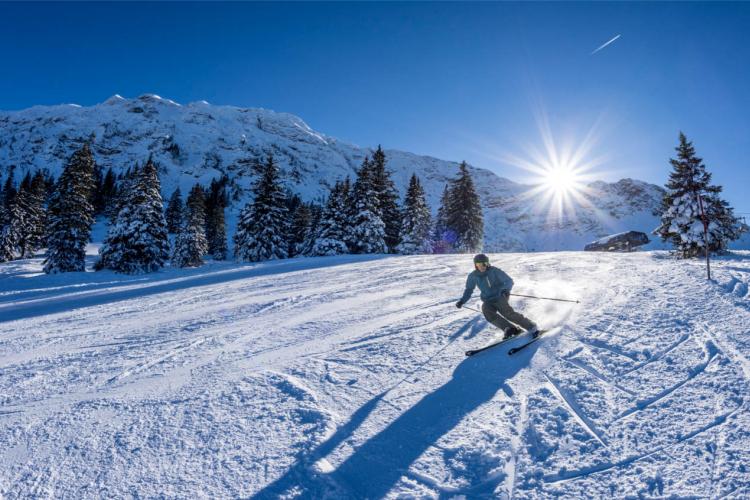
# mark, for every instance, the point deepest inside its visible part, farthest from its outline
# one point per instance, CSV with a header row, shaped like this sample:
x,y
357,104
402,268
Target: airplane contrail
x,y
600,48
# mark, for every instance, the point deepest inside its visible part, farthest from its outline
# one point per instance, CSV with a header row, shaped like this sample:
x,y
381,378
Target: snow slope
x,y
345,378
199,141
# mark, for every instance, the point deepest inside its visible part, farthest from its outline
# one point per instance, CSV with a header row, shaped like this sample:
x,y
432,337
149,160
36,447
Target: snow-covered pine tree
x,y
292,202
262,224
7,196
464,213
216,232
416,221
217,244
681,221
12,232
50,183
387,199
299,226
125,184
368,230
2,205
98,199
25,230
137,240
25,182
7,243
332,235
8,214
109,194
37,216
174,211
316,211
70,215
443,238
347,194
191,244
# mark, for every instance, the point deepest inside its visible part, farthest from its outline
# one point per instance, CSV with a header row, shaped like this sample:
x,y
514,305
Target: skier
x,y
495,286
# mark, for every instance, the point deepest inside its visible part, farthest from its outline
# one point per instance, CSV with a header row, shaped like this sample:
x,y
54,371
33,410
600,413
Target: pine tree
x,y
681,220
98,198
25,182
137,240
126,183
174,212
50,183
195,208
7,197
109,194
26,214
71,215
216,233
2,207
262,224
8,234
347,195
217,245
368,229
443,238
299,226
331,237
313,229
11,233
191,243
464,213
34,237
7,243
416,221
387,199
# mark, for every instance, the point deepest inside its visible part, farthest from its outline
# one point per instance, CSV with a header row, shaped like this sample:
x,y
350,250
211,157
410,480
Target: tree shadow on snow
x,y
377,465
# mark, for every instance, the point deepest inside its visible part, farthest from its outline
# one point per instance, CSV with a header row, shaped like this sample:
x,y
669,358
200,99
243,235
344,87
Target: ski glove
x,y
505,293
459,304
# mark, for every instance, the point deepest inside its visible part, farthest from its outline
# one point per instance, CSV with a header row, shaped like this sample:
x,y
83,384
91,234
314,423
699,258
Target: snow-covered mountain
x,y
199,141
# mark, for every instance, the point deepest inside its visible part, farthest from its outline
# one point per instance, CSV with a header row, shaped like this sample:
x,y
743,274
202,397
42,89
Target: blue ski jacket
x,y
492,283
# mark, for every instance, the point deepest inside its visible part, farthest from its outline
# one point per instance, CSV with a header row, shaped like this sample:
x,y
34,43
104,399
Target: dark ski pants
x,y
499,313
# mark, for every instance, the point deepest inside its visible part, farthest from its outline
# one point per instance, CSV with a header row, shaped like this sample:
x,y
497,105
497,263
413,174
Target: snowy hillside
x,y
199,141
346,377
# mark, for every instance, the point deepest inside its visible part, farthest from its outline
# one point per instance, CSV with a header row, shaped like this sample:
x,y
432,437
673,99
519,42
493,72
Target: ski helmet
x,y
481,258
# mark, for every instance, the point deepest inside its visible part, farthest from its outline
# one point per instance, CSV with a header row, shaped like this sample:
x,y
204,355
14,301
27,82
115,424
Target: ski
x,y
472,352
527,344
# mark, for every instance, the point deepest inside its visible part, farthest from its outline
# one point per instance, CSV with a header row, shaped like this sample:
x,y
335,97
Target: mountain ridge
x,y
200,141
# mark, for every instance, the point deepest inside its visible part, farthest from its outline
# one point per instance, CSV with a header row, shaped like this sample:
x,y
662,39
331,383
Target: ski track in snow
x,y
345,378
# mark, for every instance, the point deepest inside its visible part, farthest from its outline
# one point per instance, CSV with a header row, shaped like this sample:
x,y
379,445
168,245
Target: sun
x,y
558,184
559,171
562,180
560,168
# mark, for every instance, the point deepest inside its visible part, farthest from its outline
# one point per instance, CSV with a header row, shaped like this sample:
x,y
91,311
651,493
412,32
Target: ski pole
x,y
545,298
467,307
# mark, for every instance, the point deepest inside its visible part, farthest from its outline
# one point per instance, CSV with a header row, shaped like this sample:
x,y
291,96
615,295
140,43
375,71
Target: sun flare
x,y
559,170
560,184
562,180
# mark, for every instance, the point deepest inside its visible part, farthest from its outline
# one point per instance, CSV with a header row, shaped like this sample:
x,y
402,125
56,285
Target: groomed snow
x,y
346,377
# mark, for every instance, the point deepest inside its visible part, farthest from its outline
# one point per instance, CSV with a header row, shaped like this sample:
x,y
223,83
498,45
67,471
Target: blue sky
x,y
452,80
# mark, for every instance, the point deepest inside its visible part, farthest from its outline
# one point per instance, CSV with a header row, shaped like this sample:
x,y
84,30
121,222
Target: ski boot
x,y
511,332
533,331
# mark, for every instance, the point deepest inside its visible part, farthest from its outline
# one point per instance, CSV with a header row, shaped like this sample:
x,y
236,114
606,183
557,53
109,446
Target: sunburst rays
x,y
558,172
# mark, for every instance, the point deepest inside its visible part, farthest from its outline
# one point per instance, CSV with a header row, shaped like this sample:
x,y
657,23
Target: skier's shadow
x,y
377,465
